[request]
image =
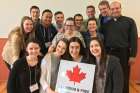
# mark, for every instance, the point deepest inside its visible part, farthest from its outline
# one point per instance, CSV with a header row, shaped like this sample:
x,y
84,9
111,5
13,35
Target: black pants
x,y
123,55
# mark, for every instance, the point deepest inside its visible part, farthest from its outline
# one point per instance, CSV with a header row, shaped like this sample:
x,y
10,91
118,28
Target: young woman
x,y
76,50
50,66
92,31
15,45
69,32
108,73
27,30
25,74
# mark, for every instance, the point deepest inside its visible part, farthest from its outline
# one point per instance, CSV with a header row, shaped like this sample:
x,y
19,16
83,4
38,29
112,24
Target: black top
x,y
121,33
114,78
87,37
45,35
22,76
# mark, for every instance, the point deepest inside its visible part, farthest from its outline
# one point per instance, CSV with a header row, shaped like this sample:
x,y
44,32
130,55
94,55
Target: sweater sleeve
x,y
133,36
43,80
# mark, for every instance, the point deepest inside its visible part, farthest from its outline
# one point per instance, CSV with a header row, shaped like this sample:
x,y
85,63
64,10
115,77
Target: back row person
x,y
35,14
90,12
59,21
120,36
78,21
105,14
45,31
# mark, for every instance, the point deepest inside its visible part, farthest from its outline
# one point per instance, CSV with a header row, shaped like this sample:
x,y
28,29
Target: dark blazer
x,y
114,79
114,76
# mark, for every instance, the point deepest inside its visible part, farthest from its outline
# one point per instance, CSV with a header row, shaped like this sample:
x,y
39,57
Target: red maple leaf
x,y
76,75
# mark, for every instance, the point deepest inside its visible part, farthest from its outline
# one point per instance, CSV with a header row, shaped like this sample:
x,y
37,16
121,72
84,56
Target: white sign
x,y
74,77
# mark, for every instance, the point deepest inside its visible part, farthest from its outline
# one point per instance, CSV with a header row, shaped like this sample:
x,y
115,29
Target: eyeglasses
x,y
69,25
78,19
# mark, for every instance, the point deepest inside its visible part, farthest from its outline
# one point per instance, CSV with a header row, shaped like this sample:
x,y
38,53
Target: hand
x,y
51,49
131,60
49,90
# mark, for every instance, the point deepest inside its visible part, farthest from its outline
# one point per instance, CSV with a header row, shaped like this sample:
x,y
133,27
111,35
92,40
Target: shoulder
x,y
47,57
77,34
52,27
20,62
59,33
129,19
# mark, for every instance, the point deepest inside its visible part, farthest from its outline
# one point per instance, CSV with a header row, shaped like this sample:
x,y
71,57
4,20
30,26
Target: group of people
x,y
34,49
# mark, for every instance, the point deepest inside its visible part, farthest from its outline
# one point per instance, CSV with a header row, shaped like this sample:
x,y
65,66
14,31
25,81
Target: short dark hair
x,y
32,39
58,12
77,39
92,19
78,15
104,2
34,7
70,19
91,6
46,10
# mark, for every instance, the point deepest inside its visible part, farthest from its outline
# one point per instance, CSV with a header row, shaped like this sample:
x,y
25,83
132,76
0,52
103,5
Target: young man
x,y
59,21
105,14
45,31
78,20
120,35
35,13
90,12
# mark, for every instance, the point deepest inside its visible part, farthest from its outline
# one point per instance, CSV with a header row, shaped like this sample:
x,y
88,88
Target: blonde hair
x,y
16,36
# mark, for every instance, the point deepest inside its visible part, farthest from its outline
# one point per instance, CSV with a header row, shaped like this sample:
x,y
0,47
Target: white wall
x,y
13,10
131,8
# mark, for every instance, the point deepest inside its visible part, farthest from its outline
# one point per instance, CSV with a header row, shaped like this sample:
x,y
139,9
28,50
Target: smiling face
x,y
59,18
92,26
78,21
95,48
47,18
33,49
35,13
61,48
90,12
115,9
69,26
104,10
74,50
28,25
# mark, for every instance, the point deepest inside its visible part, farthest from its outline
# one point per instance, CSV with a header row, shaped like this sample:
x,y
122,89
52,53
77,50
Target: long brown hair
x,y
22,31
103,57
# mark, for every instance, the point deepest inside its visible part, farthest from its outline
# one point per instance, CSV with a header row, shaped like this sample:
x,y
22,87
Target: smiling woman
x,y
26,69
107,69
50,65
